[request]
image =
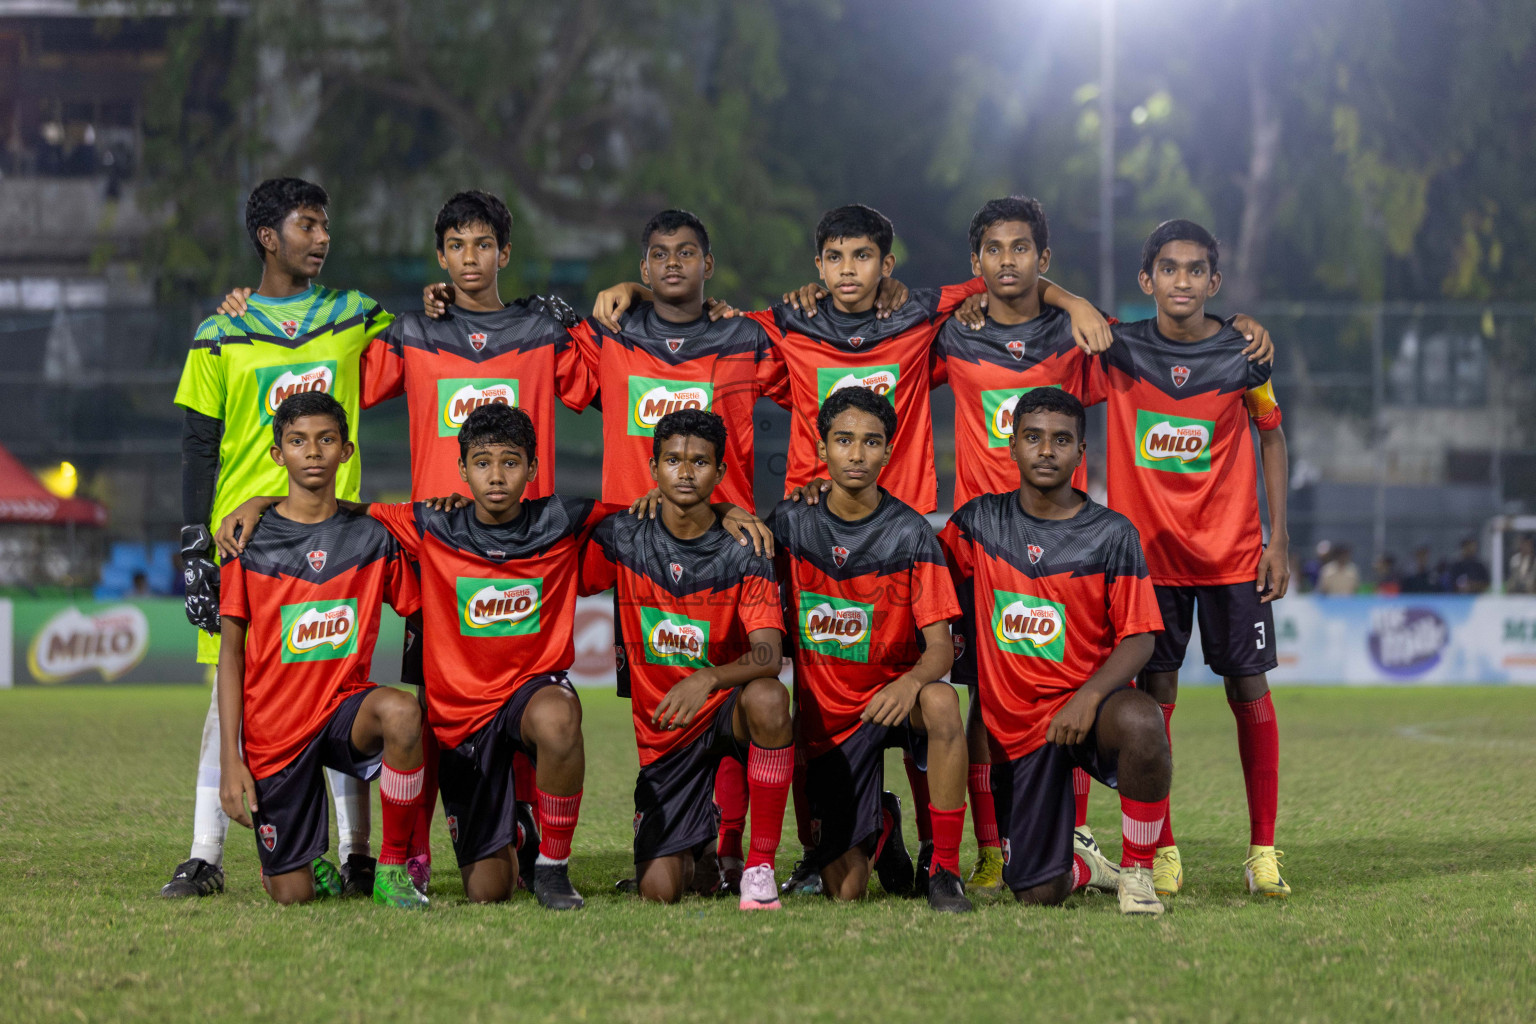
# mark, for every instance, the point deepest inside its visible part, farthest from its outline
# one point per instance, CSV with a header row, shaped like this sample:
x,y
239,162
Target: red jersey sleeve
x,y
400,520
1132,601
599,568
760,607
587,349
402,588
232,597
383,367
575,378
952,295
1095,381
957,552
933,592
772,373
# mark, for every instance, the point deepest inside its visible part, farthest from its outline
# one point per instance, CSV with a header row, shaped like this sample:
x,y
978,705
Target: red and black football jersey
x,y
498,602
1046,602
1181,459
856,596
447,368
819,354
652,367
311,594
988,369
684,605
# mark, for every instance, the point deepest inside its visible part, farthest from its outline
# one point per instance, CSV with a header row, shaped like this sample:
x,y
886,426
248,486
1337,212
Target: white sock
x,y
544,861
354,820
209,822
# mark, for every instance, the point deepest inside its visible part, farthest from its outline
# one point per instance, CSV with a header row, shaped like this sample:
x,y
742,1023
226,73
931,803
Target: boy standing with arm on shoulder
x,y
300,610
1181,466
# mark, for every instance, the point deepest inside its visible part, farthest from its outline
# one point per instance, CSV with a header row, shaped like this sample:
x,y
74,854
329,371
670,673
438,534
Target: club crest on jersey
x,y
316,560
1007,850
268,833
856,341
677,572
639,817
477,341
1035,551
959,639
839,555
290,328
1016,348
674,344
453,827
1180,376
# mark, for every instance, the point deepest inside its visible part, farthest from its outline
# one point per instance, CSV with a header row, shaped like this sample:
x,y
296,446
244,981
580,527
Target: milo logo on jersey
x,y
319,630
997,410
499,607
1174,444
879,379
1028,625
651,398
674,639
276,383
457,397
833,626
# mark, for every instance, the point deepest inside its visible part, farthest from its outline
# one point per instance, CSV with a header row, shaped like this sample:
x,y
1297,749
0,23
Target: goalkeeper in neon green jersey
x,y
294,336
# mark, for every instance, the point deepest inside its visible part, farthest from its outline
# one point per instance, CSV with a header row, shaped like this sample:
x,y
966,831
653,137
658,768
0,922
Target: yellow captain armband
x,y
1263,407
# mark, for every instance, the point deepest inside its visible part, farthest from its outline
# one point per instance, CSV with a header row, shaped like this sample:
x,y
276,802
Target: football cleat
x,y
629,886
419,868
1102,875
924,865
988,872
195,877
1262,872
893,864
328,881
527,839
357,875
393,886
552,885
805,880
946,893
732,871
759,891
1167,871
1137,896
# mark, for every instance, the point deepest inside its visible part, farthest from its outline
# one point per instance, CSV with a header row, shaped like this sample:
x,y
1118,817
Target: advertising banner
x,y
1320,640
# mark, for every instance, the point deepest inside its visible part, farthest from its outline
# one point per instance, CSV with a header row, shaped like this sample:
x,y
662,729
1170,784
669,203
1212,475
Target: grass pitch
x,y
1408,817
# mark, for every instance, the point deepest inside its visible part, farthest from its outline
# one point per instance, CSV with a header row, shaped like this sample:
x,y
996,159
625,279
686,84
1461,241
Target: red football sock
x,y
1258,744
947,828
1081,783
768,776
525,784
421,832
399,797
731,796
557,823
802,803
1080,873
918,780
978,783
1165,838
1140,824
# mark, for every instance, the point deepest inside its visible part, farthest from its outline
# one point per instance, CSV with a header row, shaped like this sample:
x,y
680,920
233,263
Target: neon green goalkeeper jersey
x,y
240,369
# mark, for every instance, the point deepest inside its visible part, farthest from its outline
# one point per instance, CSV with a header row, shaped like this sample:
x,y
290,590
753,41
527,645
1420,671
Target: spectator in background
x,y
1423,579
1468,574
1339,575
140,586
1312,568
1522,567
1387,579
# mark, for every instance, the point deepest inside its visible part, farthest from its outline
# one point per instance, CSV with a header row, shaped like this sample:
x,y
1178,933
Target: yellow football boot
x,y
1262,871
988,872
1167,871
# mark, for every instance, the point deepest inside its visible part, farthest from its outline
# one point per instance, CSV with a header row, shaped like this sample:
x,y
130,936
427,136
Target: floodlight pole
x,y
1107,156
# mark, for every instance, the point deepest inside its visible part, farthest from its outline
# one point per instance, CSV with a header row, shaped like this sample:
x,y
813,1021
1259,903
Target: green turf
x,y
1408,817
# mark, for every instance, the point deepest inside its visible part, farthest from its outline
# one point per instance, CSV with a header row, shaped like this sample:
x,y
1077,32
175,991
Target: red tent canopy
x,y
24,500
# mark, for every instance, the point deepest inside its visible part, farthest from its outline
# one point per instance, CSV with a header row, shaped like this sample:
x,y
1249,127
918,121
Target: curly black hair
x,y
270,203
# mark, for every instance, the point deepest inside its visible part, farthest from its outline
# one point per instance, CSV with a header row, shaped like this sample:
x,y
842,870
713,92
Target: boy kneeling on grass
x,y
306,591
